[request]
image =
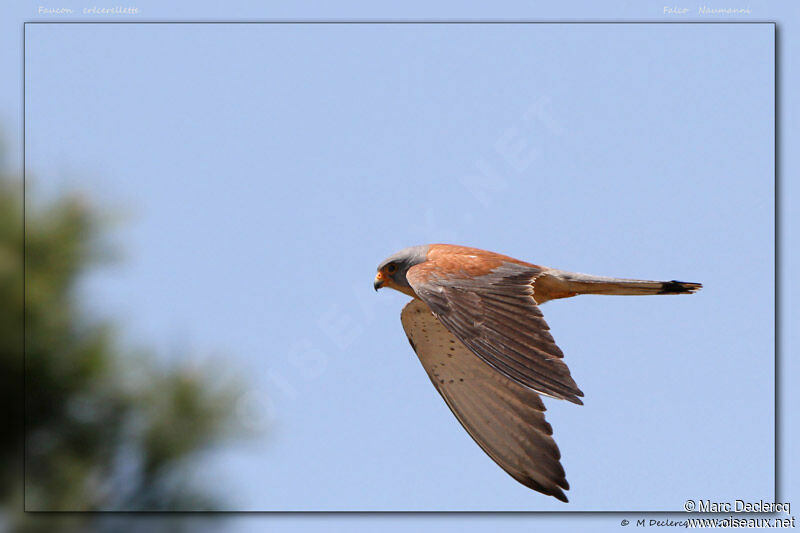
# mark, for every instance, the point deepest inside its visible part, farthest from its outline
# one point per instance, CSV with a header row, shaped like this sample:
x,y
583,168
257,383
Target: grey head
x,y
393,269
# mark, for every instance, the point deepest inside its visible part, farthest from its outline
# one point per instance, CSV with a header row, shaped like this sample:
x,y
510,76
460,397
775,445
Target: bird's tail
x,y
587,284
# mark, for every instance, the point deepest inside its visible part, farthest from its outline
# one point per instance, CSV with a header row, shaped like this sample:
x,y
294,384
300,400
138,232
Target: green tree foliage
x,y
107,427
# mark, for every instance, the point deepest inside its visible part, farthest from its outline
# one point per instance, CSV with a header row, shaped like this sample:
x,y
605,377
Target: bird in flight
x,y
475,325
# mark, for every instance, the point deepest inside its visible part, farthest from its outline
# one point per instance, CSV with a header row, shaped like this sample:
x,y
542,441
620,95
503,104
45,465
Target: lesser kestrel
x,y
475,325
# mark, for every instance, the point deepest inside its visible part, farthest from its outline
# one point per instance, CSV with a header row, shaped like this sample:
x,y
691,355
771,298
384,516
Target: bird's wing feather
x,y
496,317
505,418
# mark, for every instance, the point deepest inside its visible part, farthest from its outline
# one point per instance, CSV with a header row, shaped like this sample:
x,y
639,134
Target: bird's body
x,y
476,326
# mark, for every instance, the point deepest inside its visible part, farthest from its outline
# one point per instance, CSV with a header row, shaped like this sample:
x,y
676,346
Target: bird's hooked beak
x,y
379,281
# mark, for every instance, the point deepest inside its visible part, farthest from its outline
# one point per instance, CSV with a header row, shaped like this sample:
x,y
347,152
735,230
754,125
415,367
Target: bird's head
x,y
392,270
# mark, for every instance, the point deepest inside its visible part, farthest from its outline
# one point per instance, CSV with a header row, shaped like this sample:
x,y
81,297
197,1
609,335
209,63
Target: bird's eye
x,y
391,269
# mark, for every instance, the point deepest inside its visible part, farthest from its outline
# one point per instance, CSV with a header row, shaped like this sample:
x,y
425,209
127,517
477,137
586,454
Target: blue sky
x,y
262,187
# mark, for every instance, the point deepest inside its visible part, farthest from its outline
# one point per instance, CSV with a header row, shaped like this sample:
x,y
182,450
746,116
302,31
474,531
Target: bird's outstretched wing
x,y
495,315
505,418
